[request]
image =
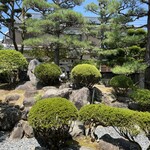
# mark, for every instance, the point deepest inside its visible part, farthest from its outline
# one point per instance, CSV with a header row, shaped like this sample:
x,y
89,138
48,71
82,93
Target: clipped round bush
x,y
47,73
11,61
51,119
85,75
121,84
122,119
89,61
142,98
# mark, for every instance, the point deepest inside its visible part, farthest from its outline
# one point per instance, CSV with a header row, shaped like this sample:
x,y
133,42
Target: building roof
x,y
93,20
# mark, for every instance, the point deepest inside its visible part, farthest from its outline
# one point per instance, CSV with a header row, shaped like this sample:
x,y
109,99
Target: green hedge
x,y
47,73
121,84
51,119
85,75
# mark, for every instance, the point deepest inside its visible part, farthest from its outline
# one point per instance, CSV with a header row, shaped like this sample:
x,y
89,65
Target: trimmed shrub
x,y
142,98
51,119
85,75
144,122
121,84
47,73
11,61
89,61
129,123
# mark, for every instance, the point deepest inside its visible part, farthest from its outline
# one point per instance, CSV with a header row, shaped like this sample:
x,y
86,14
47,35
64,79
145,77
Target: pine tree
x,y
51,31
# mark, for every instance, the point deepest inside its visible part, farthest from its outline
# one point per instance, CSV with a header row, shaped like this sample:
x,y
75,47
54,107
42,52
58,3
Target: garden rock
x,y
45,88
13,97
134,106
57,93
28,130
30,93
9,116
25,113
28,102
32,64
77,129
26,86
64,85
80,97
17,132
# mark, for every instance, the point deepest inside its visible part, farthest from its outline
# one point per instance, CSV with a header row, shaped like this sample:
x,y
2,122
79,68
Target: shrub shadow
x,y
3,135
71,145
121,143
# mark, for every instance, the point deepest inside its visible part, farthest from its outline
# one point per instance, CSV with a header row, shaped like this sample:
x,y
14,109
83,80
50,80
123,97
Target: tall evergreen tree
x,y
52,30
115,16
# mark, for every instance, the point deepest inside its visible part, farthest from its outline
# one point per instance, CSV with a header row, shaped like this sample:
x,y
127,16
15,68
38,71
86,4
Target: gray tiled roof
x,y
90,19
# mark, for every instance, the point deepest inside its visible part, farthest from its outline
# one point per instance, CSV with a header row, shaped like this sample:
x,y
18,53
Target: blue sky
x,y
82,10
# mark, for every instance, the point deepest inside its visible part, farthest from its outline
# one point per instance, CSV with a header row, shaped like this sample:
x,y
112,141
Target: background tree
x,y
117,44
12,16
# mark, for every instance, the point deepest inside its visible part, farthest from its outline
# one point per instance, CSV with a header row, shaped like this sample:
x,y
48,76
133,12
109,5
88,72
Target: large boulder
x,y
9,116
32,64
55,92
80,97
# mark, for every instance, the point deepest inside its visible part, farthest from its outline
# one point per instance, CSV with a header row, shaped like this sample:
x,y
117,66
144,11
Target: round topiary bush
x,y
51,119
11,62
48,73
85,75
121,84
142,98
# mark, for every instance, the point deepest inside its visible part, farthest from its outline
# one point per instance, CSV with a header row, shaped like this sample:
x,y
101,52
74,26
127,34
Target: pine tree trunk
x,y
147,57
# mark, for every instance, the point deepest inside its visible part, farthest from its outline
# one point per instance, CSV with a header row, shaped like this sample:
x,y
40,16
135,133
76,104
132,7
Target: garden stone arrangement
x,y
80,114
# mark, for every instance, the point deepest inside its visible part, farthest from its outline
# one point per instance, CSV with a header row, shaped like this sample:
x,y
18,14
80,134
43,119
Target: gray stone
x,y
80,97
30,93
9,116
64,85
45,88
28,130
13,97
134,106
28,102
32,64
17,132
77,129
26,86
57,93
25,114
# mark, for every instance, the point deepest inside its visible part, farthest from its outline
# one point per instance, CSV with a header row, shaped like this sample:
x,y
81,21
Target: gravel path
x,y
23,144
31,143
